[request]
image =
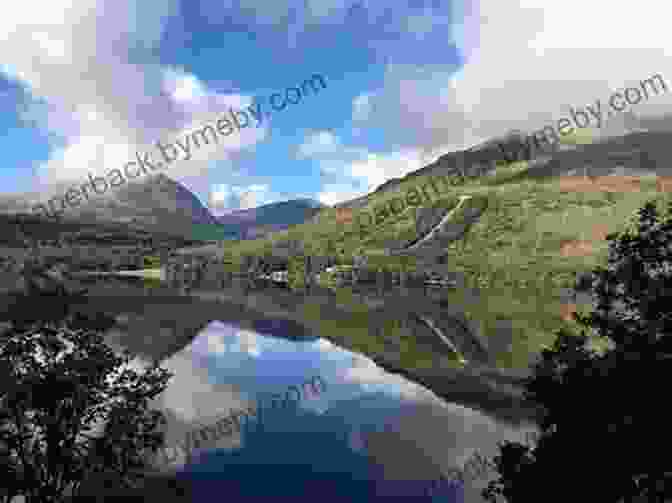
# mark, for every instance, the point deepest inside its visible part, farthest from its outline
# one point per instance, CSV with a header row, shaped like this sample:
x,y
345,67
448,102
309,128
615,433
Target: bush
x,y
69,409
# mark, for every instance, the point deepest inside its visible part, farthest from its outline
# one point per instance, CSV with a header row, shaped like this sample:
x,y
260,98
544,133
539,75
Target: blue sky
x,y
86,84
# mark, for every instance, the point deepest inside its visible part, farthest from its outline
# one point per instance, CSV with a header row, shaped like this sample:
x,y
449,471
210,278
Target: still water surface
x,y
368,436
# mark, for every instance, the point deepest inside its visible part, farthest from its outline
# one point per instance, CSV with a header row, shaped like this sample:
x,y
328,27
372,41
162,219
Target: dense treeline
x,y
22,230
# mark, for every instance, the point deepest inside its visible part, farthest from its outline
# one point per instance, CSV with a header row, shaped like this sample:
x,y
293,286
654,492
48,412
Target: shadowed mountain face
x,y
156,203
162,194
638,153
257,222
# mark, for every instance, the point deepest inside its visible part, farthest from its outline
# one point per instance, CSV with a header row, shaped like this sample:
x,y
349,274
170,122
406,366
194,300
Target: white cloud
x,y
378,168
372,172
102,108
218,195
526,63
185,87
248,200
224,197
332,194
320,143
258,188
356,167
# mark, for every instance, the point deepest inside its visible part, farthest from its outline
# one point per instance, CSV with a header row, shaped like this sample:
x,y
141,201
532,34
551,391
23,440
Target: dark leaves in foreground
x,y
71,408
605,427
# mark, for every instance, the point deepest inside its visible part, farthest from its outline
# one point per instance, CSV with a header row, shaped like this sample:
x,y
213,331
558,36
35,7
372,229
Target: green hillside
x,y
513,254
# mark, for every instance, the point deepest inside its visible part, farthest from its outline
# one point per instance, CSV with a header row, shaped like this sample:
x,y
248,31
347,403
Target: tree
x,y
604,424
70,408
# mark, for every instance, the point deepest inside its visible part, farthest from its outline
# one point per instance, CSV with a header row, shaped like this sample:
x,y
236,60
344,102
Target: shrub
x,y
69,409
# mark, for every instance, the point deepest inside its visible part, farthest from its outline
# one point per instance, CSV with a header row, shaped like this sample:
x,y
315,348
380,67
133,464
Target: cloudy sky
x,y
85,84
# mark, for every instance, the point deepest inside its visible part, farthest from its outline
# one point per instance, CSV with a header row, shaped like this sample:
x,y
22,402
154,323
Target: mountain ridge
x,y
161,204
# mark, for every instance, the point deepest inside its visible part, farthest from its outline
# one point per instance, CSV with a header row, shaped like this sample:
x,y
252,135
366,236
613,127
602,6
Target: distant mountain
x,y
162,205
260,221
157,203
629,145
161,194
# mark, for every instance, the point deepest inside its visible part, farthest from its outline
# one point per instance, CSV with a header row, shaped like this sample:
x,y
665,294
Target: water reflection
x,y
368,426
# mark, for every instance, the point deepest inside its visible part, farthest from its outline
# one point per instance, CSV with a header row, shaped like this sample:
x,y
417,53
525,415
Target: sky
x,y
86,84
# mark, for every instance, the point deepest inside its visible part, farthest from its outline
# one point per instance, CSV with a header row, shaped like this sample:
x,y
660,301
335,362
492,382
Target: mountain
x,y
161,194
260,221
536,235
156,203
160,204
480,158
627,144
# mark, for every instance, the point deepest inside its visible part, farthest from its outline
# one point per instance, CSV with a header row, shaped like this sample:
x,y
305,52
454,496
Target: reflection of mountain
x,y
306,456
303,457
18,231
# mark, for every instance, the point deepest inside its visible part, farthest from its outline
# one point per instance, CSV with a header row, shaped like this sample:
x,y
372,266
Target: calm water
x,y
369,436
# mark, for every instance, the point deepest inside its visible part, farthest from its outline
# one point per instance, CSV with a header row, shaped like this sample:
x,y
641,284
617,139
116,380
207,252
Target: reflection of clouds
x,y
248,342
216,344
220,339
373,378
436,436
323,345
190,395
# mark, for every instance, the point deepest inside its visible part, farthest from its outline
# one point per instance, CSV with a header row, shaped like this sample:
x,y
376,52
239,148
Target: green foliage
x,y
602,424
296,272
70,408
151,262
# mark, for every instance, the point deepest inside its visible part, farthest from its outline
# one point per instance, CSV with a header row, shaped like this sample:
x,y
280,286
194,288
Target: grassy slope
x,y
513,254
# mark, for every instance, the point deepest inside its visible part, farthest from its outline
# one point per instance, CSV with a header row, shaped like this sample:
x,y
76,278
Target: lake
x,y
368,435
